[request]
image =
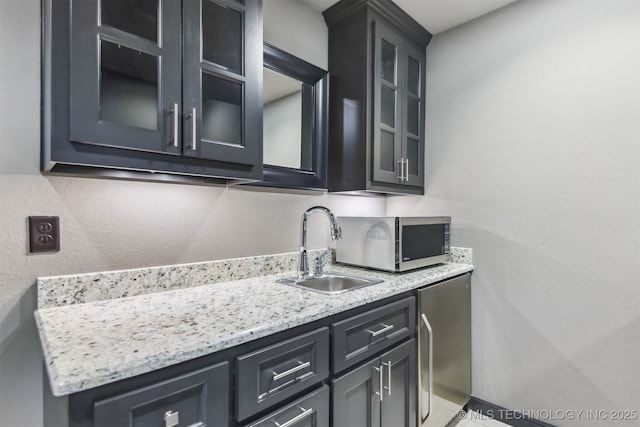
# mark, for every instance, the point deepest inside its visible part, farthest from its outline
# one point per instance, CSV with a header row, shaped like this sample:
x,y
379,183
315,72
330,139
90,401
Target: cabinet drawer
x,y
269,375
197,398
312,411
361,336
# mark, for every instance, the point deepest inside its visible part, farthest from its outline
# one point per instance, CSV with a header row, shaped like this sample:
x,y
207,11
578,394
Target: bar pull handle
x,y
430,331
380,392
406,169
305,413
176,116
388,387
192,116
171,419
385,328
293,370
401,177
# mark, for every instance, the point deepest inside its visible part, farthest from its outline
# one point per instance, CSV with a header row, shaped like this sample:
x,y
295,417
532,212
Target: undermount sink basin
x,y
331,283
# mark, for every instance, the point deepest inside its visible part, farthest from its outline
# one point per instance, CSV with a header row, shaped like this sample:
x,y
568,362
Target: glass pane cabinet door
x,y
222,69
125,73
132,16
128,91
387,101
413,131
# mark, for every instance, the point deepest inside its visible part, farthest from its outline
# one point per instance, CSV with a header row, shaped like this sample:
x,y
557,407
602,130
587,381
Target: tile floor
x,y
475,419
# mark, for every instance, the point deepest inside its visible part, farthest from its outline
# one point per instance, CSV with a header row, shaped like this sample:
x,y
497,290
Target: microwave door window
x,y
422,241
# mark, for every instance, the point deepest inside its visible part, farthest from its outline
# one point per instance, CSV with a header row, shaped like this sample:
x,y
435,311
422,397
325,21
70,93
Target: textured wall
x,y
108,224
533,147
302,30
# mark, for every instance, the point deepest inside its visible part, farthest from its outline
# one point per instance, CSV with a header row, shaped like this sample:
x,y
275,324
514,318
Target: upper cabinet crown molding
x,y
392,12
153,86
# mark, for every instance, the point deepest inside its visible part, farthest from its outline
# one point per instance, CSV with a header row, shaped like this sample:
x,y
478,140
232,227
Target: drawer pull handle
x,y
293,370
305,413
171,419
386,328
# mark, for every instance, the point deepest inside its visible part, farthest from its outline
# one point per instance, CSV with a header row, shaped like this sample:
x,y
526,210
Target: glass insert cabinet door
x,y
222,70
387,121
167,76
398,135
413,126
125,62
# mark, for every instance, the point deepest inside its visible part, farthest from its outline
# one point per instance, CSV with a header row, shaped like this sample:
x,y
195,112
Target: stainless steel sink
x,y
331,283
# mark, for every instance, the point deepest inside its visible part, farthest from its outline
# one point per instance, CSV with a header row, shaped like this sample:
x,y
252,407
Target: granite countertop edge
x,y
82,343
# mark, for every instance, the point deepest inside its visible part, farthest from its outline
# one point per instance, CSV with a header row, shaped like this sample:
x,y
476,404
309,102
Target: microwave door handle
x,y
430,356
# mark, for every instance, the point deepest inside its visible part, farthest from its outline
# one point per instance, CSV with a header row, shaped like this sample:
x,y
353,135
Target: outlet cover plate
x,y
44,234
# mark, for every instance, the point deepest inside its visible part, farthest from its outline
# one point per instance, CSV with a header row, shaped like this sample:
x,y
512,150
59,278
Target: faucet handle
x,y
319,263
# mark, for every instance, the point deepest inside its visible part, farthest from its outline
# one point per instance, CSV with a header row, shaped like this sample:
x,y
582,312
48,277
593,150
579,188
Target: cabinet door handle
x,y
380,331
430,331
388,387
295,369
401,177
193,128
305,413
171,419
380,392
176,114
406,170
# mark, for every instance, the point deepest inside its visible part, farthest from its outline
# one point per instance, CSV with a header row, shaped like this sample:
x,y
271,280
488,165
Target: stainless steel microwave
x,y
394,243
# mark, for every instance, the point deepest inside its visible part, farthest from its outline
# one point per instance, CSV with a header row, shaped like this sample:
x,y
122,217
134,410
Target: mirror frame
x,y
314,141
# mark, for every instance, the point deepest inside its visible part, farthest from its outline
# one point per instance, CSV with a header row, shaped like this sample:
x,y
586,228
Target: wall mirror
x,y
295,112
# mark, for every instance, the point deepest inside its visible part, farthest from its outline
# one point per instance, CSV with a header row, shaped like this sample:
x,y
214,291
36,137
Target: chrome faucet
x,y
336,234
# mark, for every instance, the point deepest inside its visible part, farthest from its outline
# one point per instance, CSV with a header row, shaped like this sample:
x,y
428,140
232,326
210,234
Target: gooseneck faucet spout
x,y
336,234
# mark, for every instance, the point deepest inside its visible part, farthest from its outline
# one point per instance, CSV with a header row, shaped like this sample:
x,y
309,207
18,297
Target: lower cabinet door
x,y
399,404
380,393
199,398
356,396
310,411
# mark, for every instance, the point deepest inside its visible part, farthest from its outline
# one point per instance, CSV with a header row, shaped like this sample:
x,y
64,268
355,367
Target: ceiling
x,y
435,15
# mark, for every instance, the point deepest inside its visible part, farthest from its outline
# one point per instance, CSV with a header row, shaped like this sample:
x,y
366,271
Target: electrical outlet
x,y
44,234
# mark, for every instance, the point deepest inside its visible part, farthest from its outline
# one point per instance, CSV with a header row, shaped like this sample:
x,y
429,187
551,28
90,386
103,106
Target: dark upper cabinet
x,y
377,93
154,85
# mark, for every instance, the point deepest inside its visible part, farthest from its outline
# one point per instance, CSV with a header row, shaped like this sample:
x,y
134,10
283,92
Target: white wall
x,y
283,131
299,28
108,224
533,148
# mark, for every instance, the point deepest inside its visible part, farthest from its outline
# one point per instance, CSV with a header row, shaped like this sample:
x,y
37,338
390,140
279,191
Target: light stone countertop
x,y
90,344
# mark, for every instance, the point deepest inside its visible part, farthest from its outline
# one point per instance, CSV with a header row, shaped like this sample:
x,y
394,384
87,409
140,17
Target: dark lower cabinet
x,y
195,399
268,376
398,408
379,393
355,402
300,377
359,337
310,411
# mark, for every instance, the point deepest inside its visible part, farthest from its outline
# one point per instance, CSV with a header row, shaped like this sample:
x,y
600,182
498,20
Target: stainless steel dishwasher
x,y
444,350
